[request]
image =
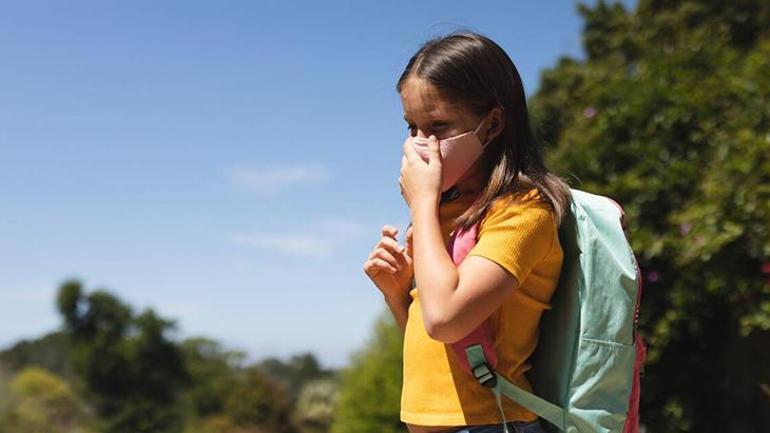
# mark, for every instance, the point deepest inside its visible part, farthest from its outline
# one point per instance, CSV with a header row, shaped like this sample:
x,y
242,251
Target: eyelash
x,y
438,128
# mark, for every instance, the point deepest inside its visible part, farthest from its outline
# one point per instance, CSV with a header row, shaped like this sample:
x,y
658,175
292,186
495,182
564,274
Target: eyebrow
x,y
433,122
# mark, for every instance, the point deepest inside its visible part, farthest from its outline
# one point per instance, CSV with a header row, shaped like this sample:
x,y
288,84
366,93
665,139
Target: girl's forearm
x,y
399,306
435,273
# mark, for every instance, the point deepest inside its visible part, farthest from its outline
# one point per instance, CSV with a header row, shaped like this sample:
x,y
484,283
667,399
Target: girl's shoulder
x,y
519,232
520,214
529,203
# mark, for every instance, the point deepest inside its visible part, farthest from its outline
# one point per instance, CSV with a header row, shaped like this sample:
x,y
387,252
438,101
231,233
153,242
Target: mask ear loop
x,y
476,133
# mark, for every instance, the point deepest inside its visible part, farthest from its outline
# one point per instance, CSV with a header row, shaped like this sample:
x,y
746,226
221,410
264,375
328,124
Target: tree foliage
x,y
132,372
39,401
214,374
136,378
48,352
369,400
314,410
257,402
294,373
670,115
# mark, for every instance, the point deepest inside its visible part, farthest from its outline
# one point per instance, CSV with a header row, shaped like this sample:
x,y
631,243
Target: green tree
x,y
314,410
226,397
213,372
41,402
257,402
294,373
131,371
5,397
48,352
670,115
369,400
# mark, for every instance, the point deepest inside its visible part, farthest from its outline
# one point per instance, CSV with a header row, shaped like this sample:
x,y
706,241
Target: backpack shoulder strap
x,y
460,244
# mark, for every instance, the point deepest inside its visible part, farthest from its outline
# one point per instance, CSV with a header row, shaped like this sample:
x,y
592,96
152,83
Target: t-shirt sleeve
x,y
517,236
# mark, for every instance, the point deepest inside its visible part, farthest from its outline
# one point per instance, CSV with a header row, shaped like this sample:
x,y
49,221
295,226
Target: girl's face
x,y
427,113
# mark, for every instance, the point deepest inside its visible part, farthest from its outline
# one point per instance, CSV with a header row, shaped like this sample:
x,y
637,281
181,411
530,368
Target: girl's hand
x,y
389,265
420,180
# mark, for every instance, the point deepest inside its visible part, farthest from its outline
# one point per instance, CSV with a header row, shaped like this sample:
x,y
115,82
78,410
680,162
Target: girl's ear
x,y
496,123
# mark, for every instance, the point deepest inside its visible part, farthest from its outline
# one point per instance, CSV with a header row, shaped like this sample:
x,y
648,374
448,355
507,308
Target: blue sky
x,y
229,164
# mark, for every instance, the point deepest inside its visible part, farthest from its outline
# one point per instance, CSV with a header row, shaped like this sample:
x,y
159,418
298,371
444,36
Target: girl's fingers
x,y
409,241
378,263
389,231
389,250
433,149
388,244
410,152
391,245
385,255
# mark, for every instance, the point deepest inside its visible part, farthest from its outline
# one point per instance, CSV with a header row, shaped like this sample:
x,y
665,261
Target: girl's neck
x,y
471,185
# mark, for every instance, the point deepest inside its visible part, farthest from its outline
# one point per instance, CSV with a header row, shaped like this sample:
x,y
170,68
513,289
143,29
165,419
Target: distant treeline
x,y
112,370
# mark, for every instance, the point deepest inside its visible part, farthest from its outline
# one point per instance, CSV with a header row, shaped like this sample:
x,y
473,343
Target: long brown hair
x,y
472,70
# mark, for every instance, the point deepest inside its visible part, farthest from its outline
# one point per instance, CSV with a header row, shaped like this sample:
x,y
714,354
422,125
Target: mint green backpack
x,y
586,367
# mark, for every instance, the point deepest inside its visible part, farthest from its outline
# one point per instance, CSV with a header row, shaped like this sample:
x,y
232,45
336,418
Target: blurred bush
x,y
369,399
314,410
38,401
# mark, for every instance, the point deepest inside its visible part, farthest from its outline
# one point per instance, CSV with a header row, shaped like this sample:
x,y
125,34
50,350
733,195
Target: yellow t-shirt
x,y
520,234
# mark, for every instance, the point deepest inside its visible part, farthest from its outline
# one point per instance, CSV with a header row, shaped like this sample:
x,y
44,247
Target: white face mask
x,y
458,154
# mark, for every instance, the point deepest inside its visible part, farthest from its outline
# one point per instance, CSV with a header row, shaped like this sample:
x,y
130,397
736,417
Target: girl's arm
x,y
399,306
454,300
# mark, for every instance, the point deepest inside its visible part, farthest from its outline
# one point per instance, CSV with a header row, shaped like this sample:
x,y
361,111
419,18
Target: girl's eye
x,y
434,129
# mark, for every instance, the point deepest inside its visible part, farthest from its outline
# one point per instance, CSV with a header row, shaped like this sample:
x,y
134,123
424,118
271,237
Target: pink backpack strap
x,y
460,244
640,348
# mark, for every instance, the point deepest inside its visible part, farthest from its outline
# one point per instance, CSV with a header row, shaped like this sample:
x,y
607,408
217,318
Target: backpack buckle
x,y
484,375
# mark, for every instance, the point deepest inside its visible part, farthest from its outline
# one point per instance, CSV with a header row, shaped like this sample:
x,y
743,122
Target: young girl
x,y
470,157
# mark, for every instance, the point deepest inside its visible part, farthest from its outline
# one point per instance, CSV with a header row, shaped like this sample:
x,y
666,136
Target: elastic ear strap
x,y
476,133
478,127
